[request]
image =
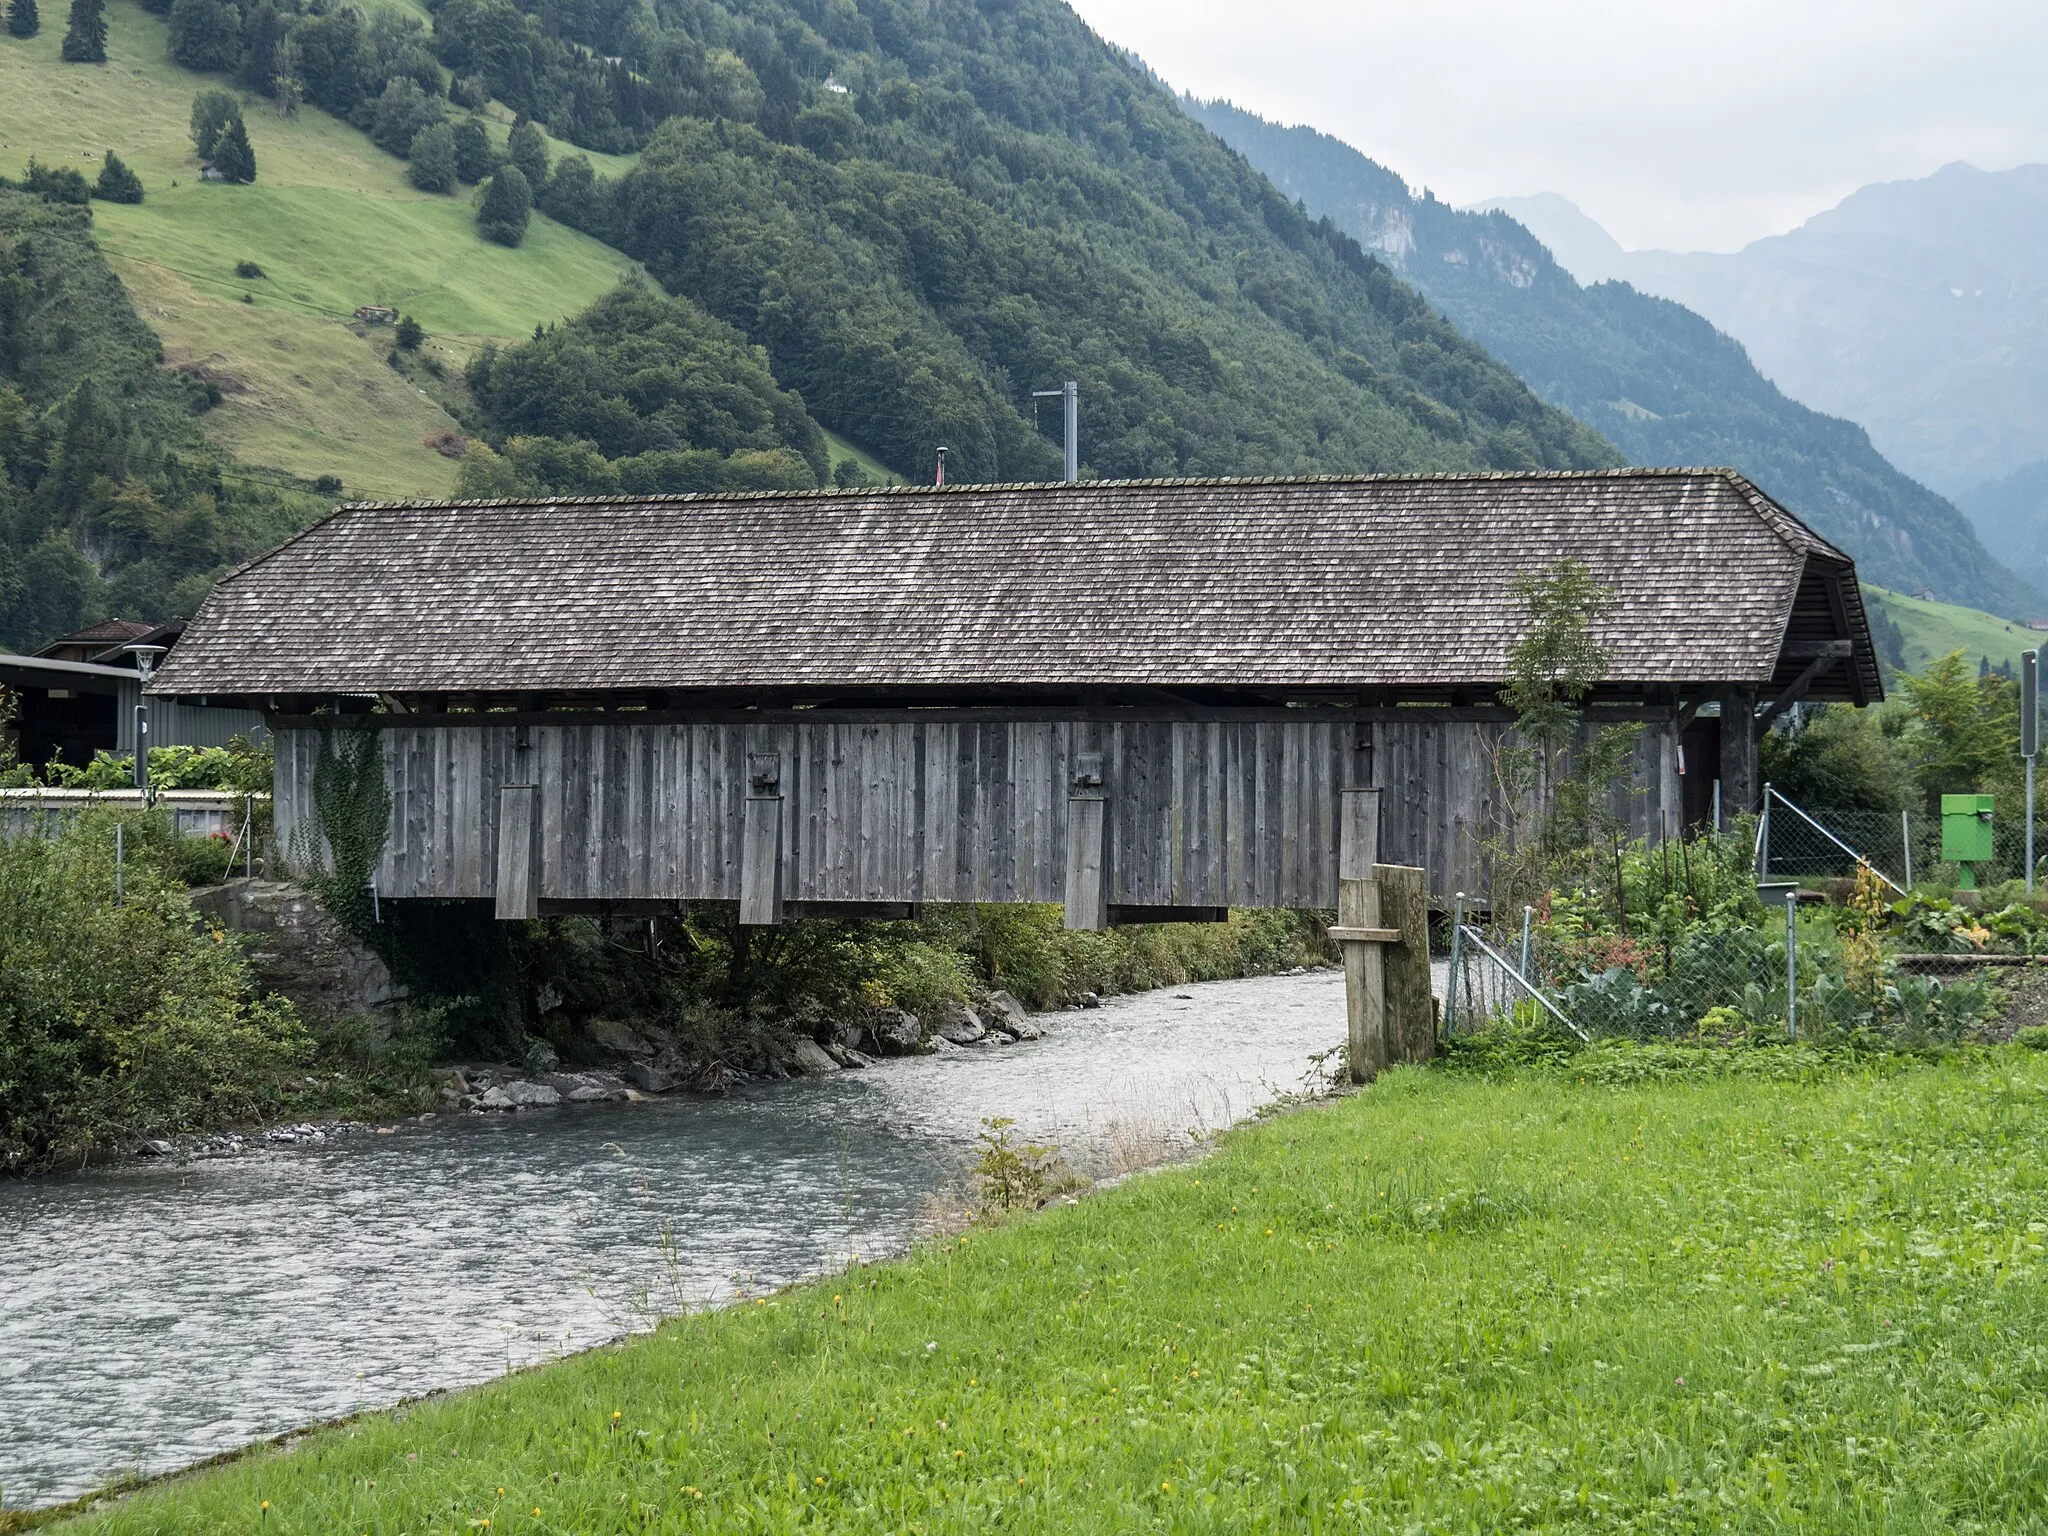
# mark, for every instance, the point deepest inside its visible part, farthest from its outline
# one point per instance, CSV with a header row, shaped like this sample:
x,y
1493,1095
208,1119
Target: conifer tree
x,y
85,40
23,20
118,183
232,156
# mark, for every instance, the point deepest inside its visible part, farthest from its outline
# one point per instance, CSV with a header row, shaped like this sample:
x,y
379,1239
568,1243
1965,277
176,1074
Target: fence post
x,y
1457,953
1763,839
1527,914
1719,825
1906,842
120,856
1792,962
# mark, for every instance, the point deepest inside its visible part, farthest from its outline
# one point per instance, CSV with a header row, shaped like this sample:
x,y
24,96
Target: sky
x,y
1678,126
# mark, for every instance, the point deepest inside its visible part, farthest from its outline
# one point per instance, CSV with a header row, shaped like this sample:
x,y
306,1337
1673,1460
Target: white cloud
x,y
1688,126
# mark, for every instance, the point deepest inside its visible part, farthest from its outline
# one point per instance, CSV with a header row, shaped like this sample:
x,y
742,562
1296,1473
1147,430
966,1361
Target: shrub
x,y
402,112
233,157
23,19
56,183
410,333
431,160
249,269
117,183
474,157
121,1018
212,110
205,34
525,148
507,207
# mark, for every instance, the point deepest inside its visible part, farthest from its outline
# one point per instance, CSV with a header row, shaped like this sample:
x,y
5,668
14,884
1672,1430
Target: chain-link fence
x,y
1813,844
1689,944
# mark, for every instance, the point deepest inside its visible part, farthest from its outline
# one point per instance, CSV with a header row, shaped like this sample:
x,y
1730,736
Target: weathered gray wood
x,y
761,855
1411,1007
1088,844
1358,912
518,866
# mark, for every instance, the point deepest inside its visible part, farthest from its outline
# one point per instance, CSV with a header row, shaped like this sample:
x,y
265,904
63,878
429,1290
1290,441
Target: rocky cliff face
x,y
299,951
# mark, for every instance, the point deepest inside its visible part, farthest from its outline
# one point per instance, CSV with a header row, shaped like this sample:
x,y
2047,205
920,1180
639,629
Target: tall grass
x,y
1447,1304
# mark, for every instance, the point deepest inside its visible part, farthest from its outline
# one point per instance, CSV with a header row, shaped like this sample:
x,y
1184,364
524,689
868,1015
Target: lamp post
x,y
146,658
1069,396
940,479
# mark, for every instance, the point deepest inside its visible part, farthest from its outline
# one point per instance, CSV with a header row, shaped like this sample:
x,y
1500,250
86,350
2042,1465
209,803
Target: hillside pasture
x,y
332,222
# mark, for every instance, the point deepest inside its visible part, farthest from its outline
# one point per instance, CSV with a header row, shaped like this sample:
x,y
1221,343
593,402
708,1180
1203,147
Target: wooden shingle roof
x,y
1317,583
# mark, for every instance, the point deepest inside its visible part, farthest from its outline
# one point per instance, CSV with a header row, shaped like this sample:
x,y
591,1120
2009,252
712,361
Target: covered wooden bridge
x,y
1145,700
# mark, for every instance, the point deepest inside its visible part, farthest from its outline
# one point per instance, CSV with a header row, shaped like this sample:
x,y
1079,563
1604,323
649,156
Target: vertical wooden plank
x,y
518,872
1358,906
761,849
1088,845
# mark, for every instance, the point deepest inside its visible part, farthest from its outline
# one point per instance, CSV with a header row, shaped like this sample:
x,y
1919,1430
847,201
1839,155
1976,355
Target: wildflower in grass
x,y
536,1511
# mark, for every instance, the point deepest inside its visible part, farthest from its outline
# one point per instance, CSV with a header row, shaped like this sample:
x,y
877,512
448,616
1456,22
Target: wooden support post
x,y
761,842
1358,911
1411,1006
518,878
1087,887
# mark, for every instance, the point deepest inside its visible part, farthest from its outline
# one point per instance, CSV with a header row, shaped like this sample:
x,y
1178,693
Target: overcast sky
x,y
1683,126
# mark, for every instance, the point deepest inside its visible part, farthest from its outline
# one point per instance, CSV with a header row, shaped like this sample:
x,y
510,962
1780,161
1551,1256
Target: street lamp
x,y
146,658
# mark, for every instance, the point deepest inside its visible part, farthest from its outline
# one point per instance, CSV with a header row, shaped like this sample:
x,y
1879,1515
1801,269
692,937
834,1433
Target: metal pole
x,y
142,750
1906,842
1792,963
2030,740
1763,838
1527,914
1451,990
1070,403
1718,825
120,856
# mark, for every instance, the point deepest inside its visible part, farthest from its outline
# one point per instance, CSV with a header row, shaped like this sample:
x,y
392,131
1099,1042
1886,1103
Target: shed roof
x,y
1322,583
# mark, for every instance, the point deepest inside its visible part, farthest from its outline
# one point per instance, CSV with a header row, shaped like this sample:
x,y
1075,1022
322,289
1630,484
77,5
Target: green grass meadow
x,y
1934,629
333,223
1807,1297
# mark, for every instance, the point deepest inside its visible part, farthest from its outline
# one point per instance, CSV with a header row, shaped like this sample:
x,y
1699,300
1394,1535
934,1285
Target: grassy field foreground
x,y
1445,1304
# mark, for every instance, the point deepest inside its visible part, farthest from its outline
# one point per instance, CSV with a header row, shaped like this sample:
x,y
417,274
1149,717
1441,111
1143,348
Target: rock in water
x,y
958,1023
808,1057
897,1033
1004,1012
520,1095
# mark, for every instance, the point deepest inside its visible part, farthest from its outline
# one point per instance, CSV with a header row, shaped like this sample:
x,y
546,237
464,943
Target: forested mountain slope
x,y
1657,380
880,227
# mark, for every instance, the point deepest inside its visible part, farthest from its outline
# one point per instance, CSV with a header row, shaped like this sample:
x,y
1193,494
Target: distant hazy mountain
x,y
1919,308
1656,379
2011,515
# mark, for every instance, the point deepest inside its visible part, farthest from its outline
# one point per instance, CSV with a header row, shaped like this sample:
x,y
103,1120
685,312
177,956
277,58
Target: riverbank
x,y
1455,1301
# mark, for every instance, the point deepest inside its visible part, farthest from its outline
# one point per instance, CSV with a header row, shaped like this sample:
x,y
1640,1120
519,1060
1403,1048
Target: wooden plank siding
x,y
1215,812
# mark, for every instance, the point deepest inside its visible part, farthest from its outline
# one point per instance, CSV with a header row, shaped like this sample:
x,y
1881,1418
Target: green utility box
x,y
1966,834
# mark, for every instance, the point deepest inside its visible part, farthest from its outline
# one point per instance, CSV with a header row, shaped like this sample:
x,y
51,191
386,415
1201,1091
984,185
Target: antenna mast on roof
x,y
1070,402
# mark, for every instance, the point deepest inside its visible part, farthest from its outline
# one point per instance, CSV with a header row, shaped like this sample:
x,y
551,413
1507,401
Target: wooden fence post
x,y
518,877
1411,1007
761,842
1087,887
1358,915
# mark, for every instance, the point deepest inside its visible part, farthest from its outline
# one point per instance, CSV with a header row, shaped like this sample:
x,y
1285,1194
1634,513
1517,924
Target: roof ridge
x,y
830,493
1776,515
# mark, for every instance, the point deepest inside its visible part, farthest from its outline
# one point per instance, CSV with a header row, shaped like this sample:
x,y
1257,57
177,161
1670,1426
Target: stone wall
x,y
297,949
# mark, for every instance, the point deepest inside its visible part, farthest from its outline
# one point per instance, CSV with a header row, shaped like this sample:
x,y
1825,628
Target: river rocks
x,y
896,1033
847,1056
1091,1000
958,1023
519,1095
1004,1012
807,1056
452,1085
620,1039
154,1148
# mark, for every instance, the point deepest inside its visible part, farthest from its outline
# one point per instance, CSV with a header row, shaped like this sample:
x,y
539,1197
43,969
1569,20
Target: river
x,y
153,1314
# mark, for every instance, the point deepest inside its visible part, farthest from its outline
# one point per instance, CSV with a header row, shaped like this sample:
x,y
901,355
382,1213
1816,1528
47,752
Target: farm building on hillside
x,y
852,702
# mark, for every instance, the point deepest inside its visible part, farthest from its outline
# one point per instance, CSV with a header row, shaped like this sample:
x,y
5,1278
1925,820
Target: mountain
x,y
1654,378
2011,513
914,212
1918,308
